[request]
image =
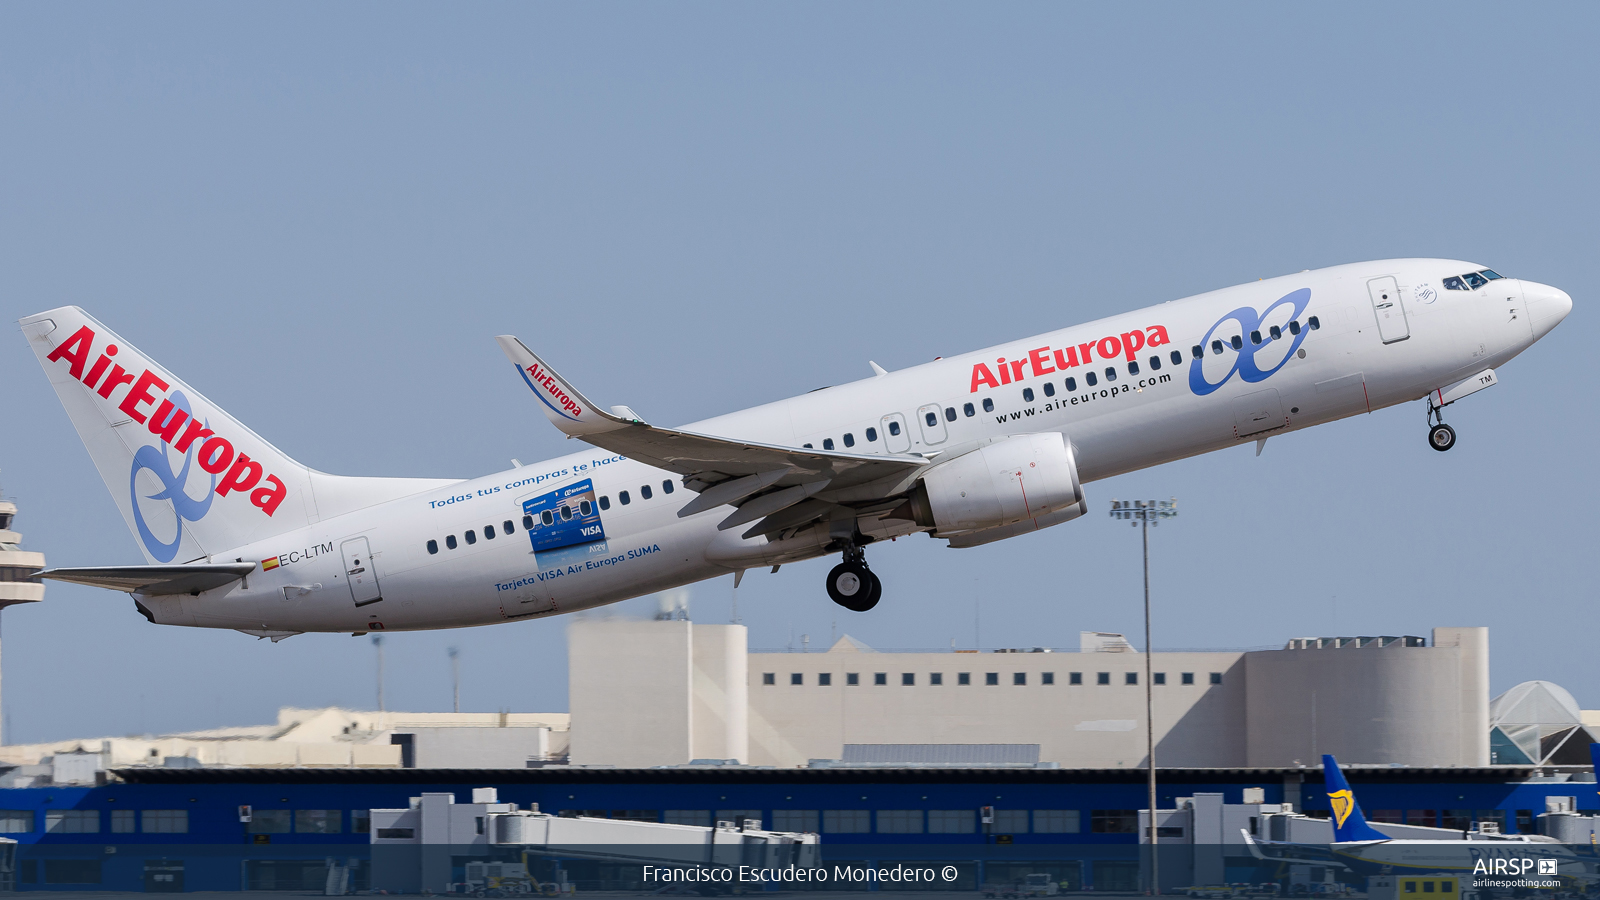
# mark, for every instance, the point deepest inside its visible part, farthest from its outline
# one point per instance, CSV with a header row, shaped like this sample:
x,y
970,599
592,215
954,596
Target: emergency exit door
x,y
1391,312
359,571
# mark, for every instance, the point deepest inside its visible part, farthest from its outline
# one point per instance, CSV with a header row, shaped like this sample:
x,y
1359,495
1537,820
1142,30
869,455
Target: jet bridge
x,y
428,844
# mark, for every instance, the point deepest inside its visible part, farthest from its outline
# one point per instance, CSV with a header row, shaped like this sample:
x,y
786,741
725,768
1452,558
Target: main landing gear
x,y
852,585
1441,437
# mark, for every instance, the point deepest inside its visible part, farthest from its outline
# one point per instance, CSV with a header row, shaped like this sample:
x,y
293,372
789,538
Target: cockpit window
x,y
1471,281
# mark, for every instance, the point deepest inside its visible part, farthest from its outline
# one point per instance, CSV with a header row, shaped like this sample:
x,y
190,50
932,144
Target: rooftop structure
x,y
330,737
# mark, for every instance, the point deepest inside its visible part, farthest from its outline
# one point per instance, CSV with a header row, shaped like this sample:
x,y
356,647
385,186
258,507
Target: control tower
x,y
19,568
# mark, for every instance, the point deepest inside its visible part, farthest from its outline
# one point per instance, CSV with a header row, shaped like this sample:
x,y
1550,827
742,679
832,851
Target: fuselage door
x,y
360,572
1391,312
932,424
1257,412
896,439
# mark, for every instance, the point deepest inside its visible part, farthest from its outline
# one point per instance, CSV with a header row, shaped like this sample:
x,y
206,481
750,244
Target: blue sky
x,y
320,215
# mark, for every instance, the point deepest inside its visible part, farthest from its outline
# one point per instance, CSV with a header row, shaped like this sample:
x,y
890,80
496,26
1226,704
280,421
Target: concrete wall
x,y
629,692
721,693
665,692
1087,724
1421,706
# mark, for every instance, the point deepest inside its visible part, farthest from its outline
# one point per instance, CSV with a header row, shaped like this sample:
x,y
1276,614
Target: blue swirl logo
x,y
187,508
1245,362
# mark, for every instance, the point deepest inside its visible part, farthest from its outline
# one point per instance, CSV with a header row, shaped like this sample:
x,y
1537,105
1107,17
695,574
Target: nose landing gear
x,y
1441,437
852,585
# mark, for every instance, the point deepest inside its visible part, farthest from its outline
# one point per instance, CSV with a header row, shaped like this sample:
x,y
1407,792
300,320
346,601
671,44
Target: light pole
x,y
377,643
455,676
1144,514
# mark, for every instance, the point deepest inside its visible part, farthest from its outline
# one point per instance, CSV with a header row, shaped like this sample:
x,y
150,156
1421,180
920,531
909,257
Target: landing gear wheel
x,y
853,586
1441,437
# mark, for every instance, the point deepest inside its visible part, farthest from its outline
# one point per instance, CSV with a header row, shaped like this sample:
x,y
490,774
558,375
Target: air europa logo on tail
x,y
1044,360
549,390
175,423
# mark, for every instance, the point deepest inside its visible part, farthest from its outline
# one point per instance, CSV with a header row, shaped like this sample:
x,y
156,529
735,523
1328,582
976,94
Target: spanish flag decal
x,y
268,565
1343,802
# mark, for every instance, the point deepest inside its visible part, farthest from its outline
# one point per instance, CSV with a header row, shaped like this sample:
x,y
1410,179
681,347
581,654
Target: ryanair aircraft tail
x,y
191,481
1348,822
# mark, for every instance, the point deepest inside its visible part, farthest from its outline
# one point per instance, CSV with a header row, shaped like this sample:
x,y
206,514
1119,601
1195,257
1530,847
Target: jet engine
x,y
1007,481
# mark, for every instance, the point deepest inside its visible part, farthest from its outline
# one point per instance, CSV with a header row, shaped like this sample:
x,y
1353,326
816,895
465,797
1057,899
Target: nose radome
x,y
1547,306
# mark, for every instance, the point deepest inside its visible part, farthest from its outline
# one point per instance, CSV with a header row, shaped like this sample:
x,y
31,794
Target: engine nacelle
x,y
1010,480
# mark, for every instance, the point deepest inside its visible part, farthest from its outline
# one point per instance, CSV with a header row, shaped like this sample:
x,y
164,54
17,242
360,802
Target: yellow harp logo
x,y
1343,803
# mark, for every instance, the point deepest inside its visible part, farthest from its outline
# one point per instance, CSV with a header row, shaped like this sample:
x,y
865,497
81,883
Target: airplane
x,y
1359,846
969,449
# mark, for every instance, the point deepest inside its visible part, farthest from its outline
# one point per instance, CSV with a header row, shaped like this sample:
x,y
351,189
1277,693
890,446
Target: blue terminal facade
x,y
182,829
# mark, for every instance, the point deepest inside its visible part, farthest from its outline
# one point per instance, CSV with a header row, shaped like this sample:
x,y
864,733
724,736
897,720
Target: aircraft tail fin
x,y
1348,822
189,479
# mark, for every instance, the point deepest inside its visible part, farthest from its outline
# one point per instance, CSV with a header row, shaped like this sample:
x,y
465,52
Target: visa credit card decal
x,y
566,525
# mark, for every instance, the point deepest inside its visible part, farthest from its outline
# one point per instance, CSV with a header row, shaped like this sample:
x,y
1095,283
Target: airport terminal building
x,y
662,693
1000,763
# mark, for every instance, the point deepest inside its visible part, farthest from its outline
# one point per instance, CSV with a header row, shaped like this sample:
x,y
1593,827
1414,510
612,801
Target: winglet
x,y
565,407
1348,822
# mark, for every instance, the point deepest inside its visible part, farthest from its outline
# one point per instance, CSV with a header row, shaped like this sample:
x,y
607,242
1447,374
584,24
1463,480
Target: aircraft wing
x,y
762,479
155,580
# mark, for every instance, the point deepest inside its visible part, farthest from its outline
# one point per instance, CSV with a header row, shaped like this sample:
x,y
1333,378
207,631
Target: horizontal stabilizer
x,y
155,580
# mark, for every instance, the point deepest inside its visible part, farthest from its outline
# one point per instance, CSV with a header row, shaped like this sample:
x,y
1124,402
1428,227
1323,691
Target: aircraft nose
x,y
1547,306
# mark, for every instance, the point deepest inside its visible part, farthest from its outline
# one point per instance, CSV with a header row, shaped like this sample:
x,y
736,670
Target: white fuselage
x,y
1353,361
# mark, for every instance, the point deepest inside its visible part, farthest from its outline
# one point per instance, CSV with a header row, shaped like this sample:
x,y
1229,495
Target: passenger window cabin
x,y
1111,373
849,439
644,492
894,428
433,546
1177,358
1049,388
1072,383
872,435
450,541
471,536
988,404
968,410
1089,379
1133,368
666,488
1027,395
827,443
949,413
623,498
